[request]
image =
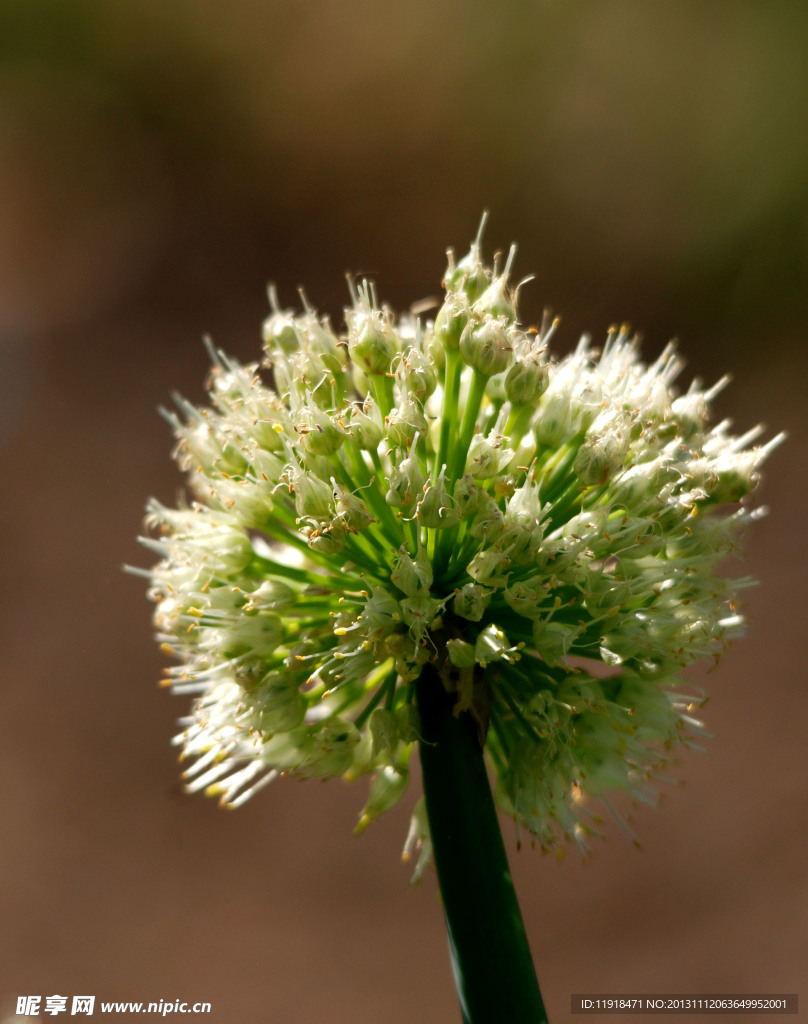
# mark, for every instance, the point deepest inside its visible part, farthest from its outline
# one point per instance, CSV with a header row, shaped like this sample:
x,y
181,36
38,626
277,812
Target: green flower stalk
x,y
418,526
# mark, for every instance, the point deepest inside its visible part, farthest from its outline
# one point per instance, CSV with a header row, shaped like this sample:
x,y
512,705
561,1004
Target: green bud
x,y
487,523
521,541
317,337
486,458
526,599
733,477
409,723
486,346
308,374
413,577
319,433
314,498
382,610
419,613
471,601
466,496
416,375
258,635
386,788
644,482
526,381
436,508
333,749
365,425
372,342
691,411
383,725
469,276
278,330
273,596
352,511
450,322
553,425
498,300
461,654
600,457
553,640
490,567
279,706
405,421
404,484
327,538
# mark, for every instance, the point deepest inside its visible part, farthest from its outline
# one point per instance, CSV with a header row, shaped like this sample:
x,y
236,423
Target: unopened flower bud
x,y
436,508
314,498
351,510
278,330
405,421
272,595
526,599
527,380
553,640
450,322
733,477
490,567
279,705
319,433
486,457
386,789
554,419
383,726
327,538
381,610
488,519
469,276
497,300
372,341
419,613
600,457
471,601
258,635
466,496
486,346
333,748
405,483
413,576
416,374
317,337
409,723
365,425
690,412
461,653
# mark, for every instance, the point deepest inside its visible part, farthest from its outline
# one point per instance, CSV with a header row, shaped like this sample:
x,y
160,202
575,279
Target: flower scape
x,y
544,534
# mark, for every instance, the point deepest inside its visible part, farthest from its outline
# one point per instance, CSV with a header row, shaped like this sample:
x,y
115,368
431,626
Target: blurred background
x,y
159,163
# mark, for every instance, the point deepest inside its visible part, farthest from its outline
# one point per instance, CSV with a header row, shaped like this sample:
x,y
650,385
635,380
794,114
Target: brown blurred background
x,y
159,161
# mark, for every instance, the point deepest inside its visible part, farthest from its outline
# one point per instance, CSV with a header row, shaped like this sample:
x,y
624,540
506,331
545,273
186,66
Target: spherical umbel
x,y
544,536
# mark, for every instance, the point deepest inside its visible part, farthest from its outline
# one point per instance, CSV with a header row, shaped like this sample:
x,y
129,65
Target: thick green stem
x,y
493,969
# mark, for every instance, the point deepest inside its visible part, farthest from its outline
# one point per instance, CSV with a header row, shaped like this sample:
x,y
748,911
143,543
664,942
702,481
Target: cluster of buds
x,y
546,534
